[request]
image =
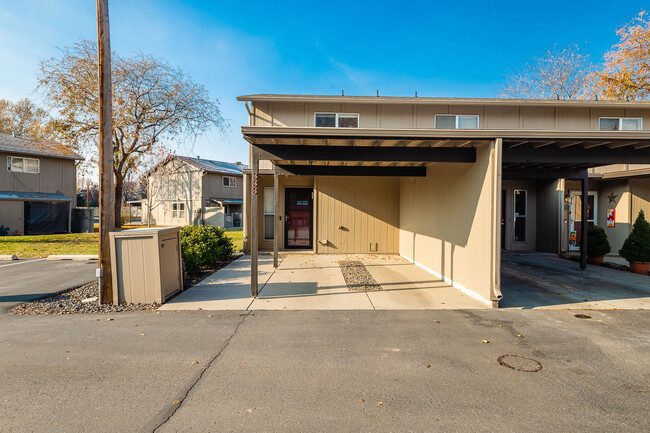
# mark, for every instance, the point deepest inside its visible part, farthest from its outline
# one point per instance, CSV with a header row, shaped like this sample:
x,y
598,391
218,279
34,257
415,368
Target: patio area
x,y
315,282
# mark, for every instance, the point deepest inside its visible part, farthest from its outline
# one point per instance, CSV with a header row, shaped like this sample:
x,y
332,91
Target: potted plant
x,y
636,248
597,245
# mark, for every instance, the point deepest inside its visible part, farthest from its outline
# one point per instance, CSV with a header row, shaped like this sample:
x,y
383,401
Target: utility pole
x,y
106,190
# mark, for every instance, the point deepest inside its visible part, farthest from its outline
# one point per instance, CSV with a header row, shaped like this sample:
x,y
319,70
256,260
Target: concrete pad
x,y
227,289
309,282
83,257
409,287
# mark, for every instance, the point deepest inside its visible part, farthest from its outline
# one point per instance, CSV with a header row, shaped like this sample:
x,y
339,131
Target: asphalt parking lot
x,y
28,279
326,371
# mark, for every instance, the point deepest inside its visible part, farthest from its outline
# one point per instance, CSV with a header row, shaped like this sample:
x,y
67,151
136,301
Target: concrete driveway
x,y
315,282
545,281
28,279
325,371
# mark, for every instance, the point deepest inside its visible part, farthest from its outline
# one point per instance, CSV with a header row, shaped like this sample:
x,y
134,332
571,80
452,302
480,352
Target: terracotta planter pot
x,y
597,260
640,267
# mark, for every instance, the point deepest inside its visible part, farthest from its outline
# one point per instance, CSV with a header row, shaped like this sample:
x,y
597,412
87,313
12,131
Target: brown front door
x,y
298,218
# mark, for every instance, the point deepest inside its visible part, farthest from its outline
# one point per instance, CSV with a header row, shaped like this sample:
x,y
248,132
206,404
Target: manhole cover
x,y
520,363
582,316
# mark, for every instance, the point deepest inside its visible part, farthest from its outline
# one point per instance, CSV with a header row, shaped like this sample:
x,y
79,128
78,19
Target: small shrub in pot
x,y
597,245
636,248
203,246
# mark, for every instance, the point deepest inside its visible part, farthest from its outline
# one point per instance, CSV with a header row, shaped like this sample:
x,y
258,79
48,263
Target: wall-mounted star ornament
x,y
612,197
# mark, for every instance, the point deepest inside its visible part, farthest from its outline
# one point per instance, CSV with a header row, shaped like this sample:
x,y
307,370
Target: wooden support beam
x,y
594,156
357,153
359,170
254,222
276,215
583,221
591,145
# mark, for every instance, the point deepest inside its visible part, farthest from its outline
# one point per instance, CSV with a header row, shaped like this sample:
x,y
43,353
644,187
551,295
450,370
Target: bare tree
x,y
151,101
557,74
154,180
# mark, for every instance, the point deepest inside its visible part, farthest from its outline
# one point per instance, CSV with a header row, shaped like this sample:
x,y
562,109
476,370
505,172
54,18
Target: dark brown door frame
x,y
311,220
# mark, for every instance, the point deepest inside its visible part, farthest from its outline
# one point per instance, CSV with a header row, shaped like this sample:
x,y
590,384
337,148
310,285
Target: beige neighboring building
x,y
184,190
621,188
446,183
37,186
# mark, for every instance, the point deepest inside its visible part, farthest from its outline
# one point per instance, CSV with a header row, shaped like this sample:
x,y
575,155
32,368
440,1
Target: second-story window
x,y
336,120
229,181
23,165
620,124
453,121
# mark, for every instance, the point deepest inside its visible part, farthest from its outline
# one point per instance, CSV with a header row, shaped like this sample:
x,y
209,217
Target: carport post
x,y
583,221
276,214
254,223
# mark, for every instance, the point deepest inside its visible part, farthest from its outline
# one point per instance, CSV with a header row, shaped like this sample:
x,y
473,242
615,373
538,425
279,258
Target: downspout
x,y
495,282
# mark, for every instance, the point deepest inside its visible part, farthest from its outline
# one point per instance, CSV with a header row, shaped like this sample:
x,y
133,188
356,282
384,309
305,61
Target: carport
x,y
460,171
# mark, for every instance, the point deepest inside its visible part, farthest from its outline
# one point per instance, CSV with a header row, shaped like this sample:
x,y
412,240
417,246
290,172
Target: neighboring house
x,y
184,190
37,185
620,191
444,182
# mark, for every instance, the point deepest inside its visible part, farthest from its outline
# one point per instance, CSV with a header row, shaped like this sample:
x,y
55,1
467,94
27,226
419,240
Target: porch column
x,y
276,214
583,221
254,223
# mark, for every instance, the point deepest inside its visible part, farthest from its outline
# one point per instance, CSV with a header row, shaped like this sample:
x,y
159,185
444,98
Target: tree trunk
x,y
119,183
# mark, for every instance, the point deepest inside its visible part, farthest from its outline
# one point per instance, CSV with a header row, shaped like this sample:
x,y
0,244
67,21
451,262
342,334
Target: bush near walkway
x,y
204,246
636,247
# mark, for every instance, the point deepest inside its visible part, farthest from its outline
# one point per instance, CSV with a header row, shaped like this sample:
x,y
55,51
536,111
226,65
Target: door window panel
x,y
520,215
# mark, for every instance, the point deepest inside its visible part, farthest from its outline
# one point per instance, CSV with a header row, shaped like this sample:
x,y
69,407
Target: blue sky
x,y
241,47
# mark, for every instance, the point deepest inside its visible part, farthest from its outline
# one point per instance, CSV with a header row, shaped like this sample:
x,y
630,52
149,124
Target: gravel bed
x,y
71,302
357,277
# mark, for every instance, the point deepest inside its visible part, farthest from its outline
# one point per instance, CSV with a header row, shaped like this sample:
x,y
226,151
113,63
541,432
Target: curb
x,y
73,257
7,257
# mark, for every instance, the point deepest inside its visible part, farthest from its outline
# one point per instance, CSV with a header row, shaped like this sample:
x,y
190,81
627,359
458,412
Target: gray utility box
x,y
146,265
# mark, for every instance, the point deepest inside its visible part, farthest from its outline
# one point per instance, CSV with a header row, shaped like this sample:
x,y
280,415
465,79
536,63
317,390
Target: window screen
x,y
520,215
467,122
269,213
30,165
631,124
325,120
607,124
445,122
348,120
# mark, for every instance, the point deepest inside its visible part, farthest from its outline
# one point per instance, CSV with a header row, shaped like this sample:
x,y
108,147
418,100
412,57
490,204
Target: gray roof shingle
x,y
36,146
214,166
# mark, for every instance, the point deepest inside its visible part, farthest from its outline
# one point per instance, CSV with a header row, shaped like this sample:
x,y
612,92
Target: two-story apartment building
x,y
183,190
38,186
444,182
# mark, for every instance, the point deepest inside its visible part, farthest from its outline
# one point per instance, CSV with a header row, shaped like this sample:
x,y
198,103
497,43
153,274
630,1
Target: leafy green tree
x,y
636,247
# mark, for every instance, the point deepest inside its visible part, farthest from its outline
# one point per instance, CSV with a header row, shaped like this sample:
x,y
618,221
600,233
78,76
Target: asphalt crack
x,y
173,408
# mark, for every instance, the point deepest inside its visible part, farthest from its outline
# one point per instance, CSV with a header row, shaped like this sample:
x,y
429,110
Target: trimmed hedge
x,y
204,246
636,247
597,243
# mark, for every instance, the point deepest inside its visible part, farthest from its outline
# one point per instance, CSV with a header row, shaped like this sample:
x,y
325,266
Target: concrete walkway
x,y
545,281
315,282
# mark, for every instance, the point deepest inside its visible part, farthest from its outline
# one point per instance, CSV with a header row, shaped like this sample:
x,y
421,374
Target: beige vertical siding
x,y
621,189
355,212
640,189
400,116
446,222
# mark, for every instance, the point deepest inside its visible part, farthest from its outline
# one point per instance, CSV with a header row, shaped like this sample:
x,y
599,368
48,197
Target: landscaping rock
x,y
357,277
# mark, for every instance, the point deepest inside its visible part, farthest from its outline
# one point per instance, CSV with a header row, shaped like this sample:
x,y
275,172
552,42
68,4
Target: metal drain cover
x,y
520,363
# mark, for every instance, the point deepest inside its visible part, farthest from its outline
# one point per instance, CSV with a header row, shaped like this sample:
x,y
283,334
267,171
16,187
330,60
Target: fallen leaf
x,y
142,334
518,335
176,402
249,410
361,400
195,362
500,326
436,321
484,341
209,315
428,365
379,403
109,319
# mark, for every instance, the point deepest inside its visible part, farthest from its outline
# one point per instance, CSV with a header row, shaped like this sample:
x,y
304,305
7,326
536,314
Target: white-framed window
x,y
269,213
520,208
336,120
620,123
18,164
229,181
178,210
455,121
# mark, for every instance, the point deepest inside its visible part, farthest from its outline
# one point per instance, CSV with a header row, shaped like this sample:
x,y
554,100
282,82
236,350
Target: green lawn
x,y
44,245
237,236
74,243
